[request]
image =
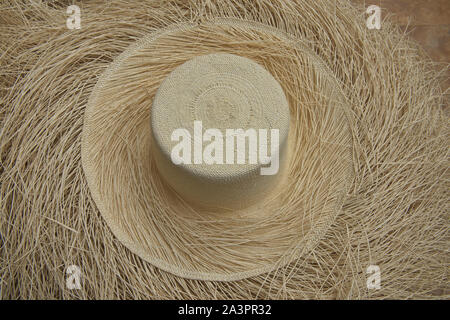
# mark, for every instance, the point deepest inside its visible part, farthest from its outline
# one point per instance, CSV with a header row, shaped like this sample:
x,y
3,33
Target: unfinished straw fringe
x,y
395,208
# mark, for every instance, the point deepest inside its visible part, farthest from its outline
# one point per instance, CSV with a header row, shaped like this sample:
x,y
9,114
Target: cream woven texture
x,y
223,91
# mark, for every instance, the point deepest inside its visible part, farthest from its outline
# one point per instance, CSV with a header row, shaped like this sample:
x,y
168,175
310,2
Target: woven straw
x,y
191,241
366,168
222,91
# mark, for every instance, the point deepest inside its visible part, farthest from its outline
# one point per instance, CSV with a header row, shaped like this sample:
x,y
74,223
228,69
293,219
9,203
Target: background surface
x,y
426,21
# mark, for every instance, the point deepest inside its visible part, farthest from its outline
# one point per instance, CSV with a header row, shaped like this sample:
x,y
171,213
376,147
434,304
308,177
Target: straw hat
x,y
213,221
87,177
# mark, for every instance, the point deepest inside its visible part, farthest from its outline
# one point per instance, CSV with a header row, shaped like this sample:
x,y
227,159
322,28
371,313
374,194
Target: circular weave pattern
x,y
225,93
54,214
193,242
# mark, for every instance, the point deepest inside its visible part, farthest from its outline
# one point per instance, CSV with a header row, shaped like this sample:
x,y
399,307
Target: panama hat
x,y
97,124
216,221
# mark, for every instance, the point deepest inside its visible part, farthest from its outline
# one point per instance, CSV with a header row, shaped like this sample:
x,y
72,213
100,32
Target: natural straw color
x,y
121,163
395,214
221,91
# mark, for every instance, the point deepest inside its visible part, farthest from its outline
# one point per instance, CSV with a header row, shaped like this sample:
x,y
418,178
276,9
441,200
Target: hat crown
x,y
235,118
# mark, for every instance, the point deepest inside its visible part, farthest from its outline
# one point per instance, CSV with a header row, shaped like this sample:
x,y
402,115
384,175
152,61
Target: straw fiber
x,y
366,181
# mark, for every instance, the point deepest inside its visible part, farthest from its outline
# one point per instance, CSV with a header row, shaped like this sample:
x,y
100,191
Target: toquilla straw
x,y
87,177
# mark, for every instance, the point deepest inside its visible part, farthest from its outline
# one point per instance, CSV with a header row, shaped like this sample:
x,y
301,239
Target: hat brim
x,y
148,217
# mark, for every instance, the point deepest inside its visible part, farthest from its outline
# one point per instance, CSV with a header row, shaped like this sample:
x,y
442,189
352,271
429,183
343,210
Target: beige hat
x,y
56,217
217,221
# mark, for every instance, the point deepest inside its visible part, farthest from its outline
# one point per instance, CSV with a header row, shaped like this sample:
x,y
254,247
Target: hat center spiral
x,y
220,110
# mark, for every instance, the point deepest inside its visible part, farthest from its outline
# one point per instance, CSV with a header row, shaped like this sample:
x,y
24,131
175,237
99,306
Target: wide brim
x,y
395,216
195,242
